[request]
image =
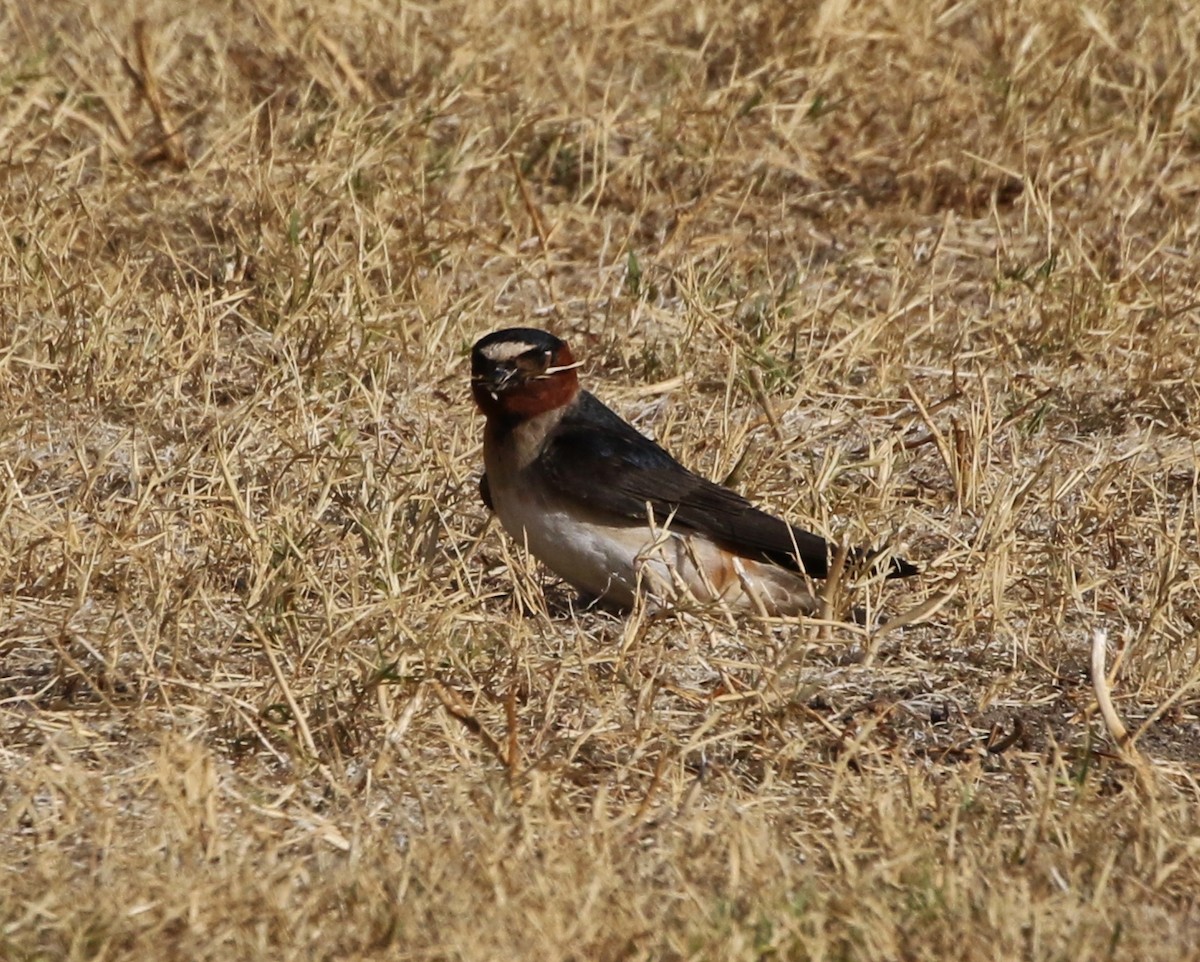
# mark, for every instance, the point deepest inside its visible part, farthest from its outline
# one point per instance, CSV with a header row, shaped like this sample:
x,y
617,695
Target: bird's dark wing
x,y
603,462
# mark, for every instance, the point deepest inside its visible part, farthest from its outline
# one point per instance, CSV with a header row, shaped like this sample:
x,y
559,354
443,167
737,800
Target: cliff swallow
x,y
610,511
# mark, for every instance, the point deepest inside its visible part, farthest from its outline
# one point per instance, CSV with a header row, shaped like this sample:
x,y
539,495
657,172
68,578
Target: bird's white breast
x,y
596,558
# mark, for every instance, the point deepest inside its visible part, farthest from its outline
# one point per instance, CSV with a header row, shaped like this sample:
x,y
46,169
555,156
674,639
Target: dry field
x,y
272,685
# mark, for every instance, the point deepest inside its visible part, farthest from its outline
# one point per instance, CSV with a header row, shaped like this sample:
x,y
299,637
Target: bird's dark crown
x,y
520,372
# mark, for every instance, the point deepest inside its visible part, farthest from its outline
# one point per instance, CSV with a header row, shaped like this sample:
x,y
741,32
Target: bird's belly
x,y
615,562
596,558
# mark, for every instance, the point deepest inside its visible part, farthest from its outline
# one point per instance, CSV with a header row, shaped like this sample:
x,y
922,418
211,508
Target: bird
x,y
611,512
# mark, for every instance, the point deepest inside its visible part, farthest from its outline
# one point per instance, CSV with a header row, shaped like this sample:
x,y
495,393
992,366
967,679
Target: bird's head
x,y
521,372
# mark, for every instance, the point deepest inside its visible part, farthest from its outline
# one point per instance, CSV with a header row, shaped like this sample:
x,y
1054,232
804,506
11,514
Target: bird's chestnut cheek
x,y
527,398
539,395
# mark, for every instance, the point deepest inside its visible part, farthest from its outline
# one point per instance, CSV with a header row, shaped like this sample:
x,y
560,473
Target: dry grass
x,y
271,687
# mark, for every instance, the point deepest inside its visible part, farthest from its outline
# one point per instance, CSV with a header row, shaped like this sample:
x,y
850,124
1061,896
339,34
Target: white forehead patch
x,y
507,350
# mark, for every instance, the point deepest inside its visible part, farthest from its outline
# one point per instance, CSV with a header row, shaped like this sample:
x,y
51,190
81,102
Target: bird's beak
x,y
495,380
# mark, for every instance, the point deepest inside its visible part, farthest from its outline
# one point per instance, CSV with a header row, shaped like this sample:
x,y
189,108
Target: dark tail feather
x,y
871,560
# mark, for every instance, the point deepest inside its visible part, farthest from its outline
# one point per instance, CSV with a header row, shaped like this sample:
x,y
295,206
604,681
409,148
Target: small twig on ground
x,y
1112,721
453,702
170,145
